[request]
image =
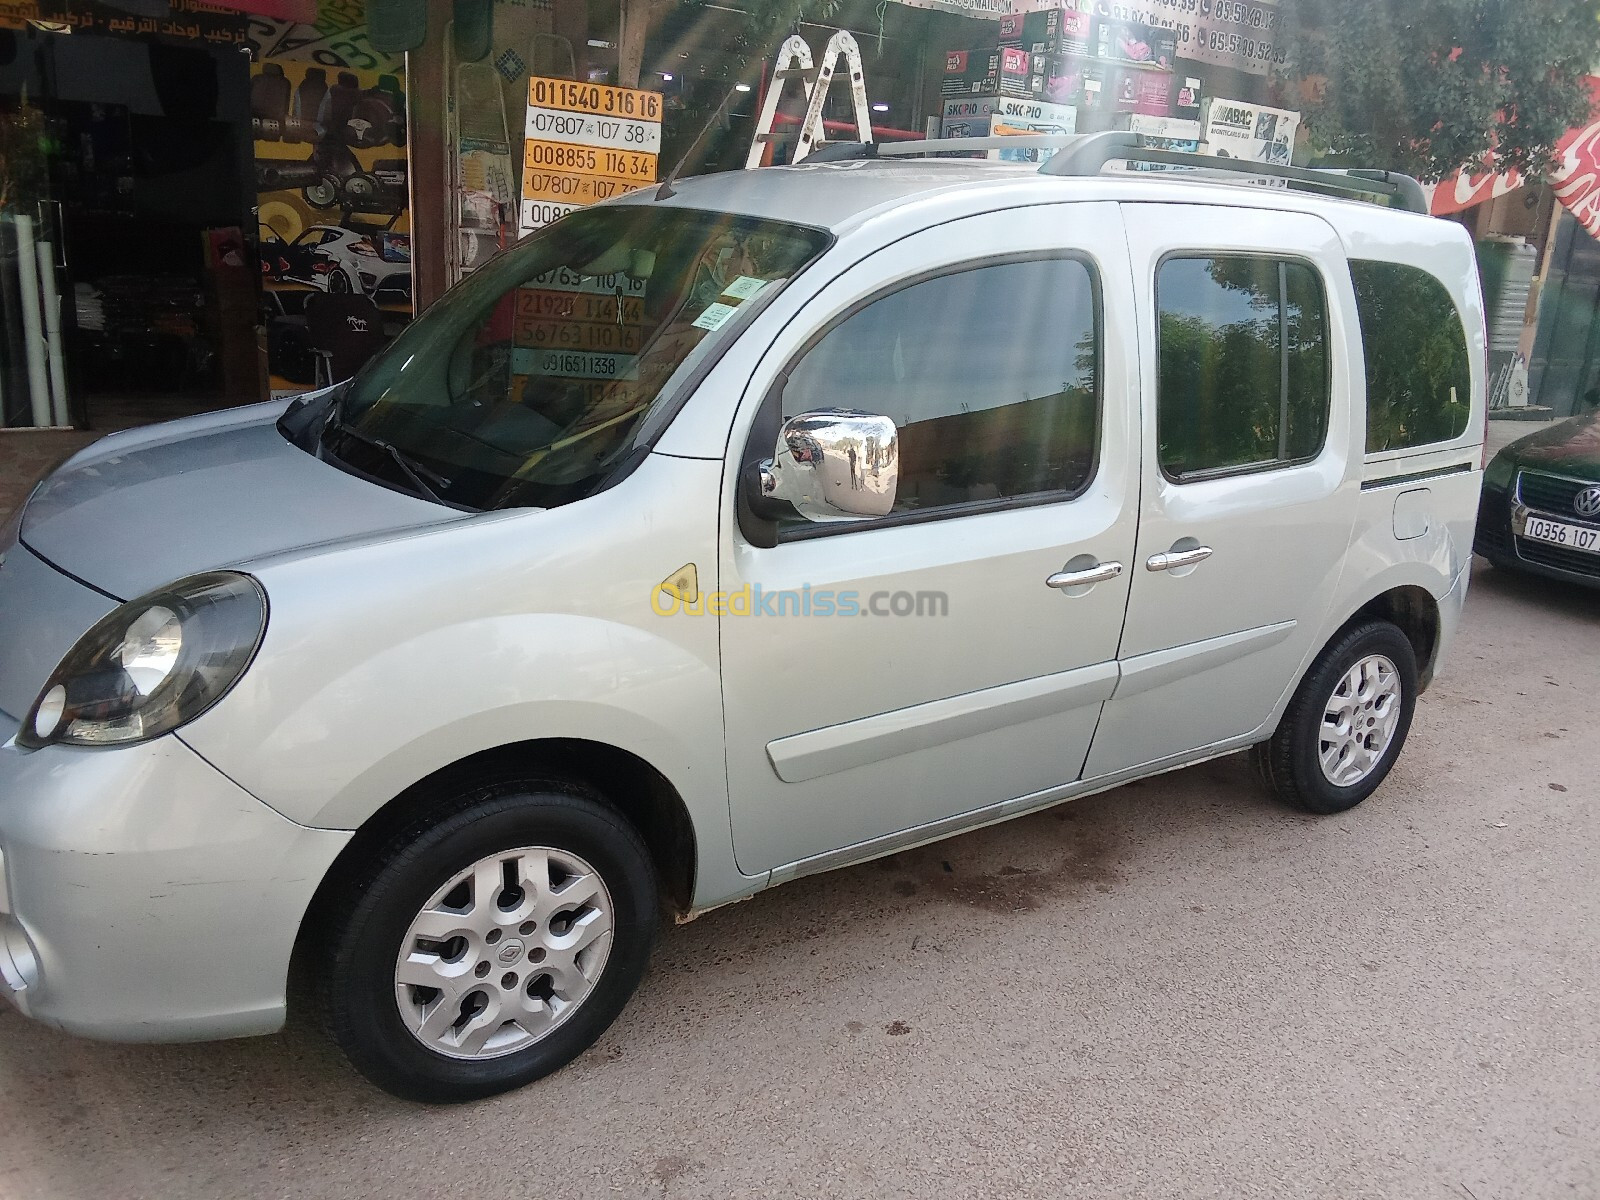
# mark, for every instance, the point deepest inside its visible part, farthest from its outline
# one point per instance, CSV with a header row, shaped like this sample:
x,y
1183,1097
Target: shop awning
x,y
1575,179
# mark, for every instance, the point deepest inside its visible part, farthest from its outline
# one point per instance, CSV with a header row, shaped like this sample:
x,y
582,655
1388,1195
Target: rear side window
x,y
990,374
1243,348
1419,383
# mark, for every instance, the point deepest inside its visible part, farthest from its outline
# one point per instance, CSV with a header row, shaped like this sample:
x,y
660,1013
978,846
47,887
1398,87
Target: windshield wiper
x,y
413,470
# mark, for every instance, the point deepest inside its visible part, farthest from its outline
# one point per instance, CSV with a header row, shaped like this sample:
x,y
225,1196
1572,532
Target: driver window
x,y
990,374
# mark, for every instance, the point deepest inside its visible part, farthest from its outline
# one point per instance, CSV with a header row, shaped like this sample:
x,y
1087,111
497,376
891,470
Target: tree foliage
x,y
1431,86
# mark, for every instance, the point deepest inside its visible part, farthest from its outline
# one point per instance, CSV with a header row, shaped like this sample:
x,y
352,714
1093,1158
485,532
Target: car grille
x,y
1549,493
1559,557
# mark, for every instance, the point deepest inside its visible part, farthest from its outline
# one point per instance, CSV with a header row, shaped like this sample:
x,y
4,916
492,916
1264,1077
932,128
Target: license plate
x,y
1573,537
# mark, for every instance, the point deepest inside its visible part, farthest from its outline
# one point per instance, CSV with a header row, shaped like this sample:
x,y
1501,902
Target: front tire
x,y
1346,723
488,947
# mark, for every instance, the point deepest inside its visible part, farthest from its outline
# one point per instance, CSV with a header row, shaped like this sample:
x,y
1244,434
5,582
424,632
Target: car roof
x,y
842,194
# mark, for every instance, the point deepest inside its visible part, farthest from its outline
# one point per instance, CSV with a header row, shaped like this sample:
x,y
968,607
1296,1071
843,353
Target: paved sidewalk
x,y
27,456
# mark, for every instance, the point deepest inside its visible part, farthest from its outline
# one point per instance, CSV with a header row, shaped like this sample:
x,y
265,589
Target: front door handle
x,y
1100,573
1173,559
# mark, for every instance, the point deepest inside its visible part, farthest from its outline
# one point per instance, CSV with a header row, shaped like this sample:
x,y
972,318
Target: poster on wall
x,y
331,191
1254,132
336,38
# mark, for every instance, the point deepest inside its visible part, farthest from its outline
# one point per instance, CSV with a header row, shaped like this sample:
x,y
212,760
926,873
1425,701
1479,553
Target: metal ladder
x,y
794,62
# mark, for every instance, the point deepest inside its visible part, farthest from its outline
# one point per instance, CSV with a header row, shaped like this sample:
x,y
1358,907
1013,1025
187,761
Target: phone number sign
x,y
585,142
1242,34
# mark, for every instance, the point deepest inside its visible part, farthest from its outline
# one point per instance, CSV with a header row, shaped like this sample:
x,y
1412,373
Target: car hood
x,y
1571,448
140,509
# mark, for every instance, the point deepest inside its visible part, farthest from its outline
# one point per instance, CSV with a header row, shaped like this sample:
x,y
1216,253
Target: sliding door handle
x,y
1172,560
1100,573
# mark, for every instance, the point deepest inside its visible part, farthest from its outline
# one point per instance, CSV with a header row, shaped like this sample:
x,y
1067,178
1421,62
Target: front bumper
x,y
1496,540
144,896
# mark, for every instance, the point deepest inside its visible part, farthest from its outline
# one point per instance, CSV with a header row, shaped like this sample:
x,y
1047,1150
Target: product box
x,y
1048,31
1000,115
1152,93
1162,133
1134,42
1186,105
971,73
1056,78
963,118
1013,117
1014,71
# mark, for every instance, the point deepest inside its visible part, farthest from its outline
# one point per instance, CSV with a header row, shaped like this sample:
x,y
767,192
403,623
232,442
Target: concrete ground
x,y
1175,989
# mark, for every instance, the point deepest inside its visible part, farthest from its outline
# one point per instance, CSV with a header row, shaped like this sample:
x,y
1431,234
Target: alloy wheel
x,y
504,952
1359,721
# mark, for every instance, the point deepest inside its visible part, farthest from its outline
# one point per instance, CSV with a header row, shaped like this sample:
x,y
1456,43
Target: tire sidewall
x,y
1317,792
361,1004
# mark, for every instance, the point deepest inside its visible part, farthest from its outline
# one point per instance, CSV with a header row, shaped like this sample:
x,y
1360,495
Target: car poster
x,y
332,200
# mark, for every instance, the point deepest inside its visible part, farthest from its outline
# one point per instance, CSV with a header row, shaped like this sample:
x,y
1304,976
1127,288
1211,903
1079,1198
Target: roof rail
x,y
1087,154
846,151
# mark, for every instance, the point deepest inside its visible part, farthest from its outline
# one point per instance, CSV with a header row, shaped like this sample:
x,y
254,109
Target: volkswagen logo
x,y
1587,503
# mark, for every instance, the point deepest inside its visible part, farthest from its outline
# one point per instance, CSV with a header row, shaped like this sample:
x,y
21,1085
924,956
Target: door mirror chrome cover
x,y
830,465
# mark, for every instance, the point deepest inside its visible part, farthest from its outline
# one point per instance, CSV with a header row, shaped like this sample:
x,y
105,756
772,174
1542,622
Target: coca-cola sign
x,y
1575,178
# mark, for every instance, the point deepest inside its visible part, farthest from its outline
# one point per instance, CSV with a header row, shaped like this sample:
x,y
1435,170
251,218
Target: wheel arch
x,y
626,782
1415,612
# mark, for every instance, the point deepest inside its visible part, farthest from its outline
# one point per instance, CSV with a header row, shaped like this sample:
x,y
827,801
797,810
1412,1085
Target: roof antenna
x,y
666,189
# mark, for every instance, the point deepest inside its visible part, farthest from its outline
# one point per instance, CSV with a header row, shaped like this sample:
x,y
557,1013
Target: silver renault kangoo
x,y
739,529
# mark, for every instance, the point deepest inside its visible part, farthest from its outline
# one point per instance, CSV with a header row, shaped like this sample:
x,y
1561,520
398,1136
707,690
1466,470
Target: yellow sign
x,y
590,160
594,98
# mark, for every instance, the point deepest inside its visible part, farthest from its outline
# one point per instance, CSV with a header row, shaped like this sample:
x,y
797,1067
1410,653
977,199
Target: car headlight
x,y
1500,472
151,665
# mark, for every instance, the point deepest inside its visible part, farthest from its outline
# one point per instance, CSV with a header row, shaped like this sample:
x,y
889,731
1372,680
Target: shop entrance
x,y
135,206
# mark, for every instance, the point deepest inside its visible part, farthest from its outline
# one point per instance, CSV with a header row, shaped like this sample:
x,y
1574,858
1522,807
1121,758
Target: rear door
x,y
1250,475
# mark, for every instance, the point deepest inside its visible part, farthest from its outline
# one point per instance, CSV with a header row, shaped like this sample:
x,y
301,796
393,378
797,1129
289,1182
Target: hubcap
x,y
504,952
1359,721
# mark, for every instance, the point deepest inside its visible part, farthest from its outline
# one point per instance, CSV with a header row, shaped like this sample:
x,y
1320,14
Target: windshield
x,y
530,382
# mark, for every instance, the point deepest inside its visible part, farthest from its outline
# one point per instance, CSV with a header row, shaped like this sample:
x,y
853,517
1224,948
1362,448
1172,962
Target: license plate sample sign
x,y
585,142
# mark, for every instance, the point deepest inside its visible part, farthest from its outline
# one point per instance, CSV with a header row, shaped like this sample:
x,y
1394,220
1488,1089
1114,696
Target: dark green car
x,y
1540,510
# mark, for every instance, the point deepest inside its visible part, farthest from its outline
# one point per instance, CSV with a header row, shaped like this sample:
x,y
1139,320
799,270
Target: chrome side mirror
x,y
832,465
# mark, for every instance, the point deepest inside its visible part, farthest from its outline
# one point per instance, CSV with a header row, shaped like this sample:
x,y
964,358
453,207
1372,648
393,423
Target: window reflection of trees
x,y
1230,394
1419,382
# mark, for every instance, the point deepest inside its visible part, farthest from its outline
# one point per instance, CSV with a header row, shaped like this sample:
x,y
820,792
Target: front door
x,y
880,676
1250,477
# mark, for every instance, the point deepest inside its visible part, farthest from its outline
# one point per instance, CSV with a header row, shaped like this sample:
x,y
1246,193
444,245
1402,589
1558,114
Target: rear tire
x,y
1346,723
532,907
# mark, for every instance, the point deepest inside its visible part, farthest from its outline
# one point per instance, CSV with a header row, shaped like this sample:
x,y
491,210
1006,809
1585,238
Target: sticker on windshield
x,y
744,287
715,316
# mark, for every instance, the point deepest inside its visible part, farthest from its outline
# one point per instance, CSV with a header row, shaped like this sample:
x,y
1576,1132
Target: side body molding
x,y
836,748
1145,672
